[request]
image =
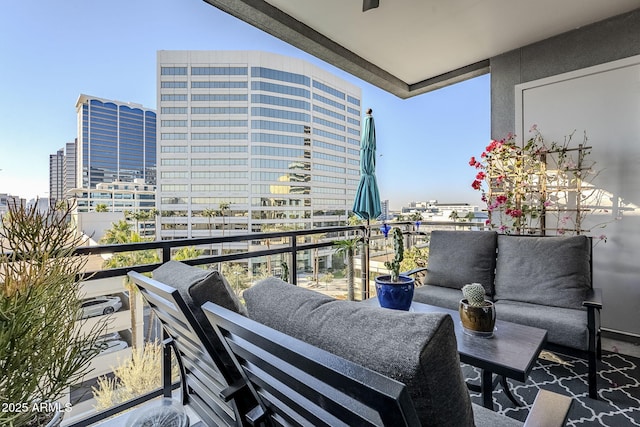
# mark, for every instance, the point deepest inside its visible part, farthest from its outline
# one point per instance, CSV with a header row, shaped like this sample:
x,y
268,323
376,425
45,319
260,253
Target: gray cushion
x,y
197,286
438,296
567,327
418,349
552,271
457,258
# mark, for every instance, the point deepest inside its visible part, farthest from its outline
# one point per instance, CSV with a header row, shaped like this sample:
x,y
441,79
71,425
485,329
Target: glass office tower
x,y
266,140
116,142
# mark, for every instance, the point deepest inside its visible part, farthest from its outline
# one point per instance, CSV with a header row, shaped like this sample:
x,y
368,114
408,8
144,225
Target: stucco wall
x,y
605,41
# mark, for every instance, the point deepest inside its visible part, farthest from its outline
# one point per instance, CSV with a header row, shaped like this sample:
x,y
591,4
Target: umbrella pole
x,y
365,263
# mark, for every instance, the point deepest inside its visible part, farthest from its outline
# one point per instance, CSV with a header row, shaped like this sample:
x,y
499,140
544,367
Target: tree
x,y
187,252
348,248
223,210
101,207
453,216
121,233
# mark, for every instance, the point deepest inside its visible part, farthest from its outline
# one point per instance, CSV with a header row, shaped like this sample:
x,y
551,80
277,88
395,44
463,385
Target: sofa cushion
x,y
197,286
565,326
553,271
438,296
417,349
457,258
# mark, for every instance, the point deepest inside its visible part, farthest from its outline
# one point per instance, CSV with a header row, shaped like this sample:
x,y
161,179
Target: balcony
x,y
293,251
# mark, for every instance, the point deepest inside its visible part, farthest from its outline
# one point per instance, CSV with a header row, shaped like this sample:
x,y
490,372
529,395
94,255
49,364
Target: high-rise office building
x,y
70,163
266,140
116,142
56,177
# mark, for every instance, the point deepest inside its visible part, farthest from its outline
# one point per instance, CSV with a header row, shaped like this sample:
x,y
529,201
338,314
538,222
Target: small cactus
x,y
474,293
398,247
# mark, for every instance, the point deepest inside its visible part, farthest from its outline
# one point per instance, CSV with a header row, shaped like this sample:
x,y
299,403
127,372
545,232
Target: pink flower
x,y
476,185
480,176
487,222
547,203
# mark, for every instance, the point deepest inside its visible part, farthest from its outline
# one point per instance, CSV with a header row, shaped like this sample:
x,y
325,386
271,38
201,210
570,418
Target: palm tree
x,y
348,247
223,210
120,233
101,207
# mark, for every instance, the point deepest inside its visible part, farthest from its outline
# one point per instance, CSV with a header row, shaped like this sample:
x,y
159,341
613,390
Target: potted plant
x,y
395,290
478,316
43,347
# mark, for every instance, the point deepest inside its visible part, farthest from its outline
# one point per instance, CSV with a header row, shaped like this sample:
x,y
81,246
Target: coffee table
x,y
510,353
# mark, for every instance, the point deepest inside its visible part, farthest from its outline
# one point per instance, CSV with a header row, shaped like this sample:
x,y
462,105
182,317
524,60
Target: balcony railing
x,y
296,242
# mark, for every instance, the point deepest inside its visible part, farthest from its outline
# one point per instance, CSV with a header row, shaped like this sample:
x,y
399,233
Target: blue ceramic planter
x,y
395,295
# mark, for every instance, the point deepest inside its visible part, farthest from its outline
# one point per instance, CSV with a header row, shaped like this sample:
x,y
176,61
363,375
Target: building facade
x,y
265,140
116,142
56,176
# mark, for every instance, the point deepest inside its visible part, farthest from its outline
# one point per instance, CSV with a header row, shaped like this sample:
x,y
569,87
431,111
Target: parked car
x,y
100,305
111,346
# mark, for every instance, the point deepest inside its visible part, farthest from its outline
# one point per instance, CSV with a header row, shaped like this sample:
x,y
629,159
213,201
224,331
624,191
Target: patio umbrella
x,y
367,200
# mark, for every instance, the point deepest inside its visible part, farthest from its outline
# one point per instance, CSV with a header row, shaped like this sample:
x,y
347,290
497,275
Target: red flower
x,y
472,161
476,184
501,199
480,176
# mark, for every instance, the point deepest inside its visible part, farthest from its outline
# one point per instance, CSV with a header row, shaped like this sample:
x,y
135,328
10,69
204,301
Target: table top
x,y
511,352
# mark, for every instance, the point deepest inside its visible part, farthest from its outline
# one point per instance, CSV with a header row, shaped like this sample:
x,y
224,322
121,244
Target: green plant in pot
x,y
395,290
43,347
478,316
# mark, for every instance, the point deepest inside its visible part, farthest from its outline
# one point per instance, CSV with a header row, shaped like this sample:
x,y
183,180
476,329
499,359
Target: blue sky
x,y
54,51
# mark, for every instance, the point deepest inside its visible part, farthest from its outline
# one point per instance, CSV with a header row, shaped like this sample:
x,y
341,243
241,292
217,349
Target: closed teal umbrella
x,y
367,201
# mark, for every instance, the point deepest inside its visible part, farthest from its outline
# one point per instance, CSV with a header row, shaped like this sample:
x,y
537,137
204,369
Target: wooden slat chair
x,y
211,384
300,384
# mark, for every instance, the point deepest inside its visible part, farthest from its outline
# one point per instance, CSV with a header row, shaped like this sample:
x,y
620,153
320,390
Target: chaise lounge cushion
x,y
418,349
197,286
551,271
457,258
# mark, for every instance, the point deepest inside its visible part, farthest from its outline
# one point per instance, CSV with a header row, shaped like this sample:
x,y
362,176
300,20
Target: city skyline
x,y
424,142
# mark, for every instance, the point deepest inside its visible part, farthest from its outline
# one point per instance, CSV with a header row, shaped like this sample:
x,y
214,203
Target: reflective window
x,y
282,102
219,187
218,71
329,113
218,162
218,85
329,157
353,152
174,175
173,149
353,121
279,126
219,97
280,114
328,89
284,76
173,136
217,136
173,110
328,101
175,97
353,131
278,139
280,164
334,147
326,134
219,149
280,177
217,200
355,162
328,190
261,150
219,175
328,168
352,100
174,123
219,110
353,141
173,71
173,85
219,123
287,90
331,179
173,187
328,123
173,162
353,111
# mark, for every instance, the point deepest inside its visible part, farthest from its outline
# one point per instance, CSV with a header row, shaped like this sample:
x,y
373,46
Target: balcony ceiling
x,y
408,47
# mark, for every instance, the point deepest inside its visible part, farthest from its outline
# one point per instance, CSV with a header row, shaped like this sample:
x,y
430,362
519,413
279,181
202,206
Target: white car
x,y
100,305
111,346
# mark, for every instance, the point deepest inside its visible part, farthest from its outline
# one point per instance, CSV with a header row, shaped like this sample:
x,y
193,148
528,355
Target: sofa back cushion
x,y
457,258
197,286
417,349
553,271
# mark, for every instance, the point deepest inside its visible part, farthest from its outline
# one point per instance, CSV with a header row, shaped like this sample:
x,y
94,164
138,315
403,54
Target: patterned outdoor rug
x,y
618,389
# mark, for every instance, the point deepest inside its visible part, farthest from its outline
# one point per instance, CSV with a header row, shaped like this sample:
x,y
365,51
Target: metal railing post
x,y
293,271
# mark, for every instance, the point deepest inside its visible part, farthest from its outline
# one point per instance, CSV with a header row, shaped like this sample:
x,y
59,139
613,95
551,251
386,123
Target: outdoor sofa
x,y
545,282
306,358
